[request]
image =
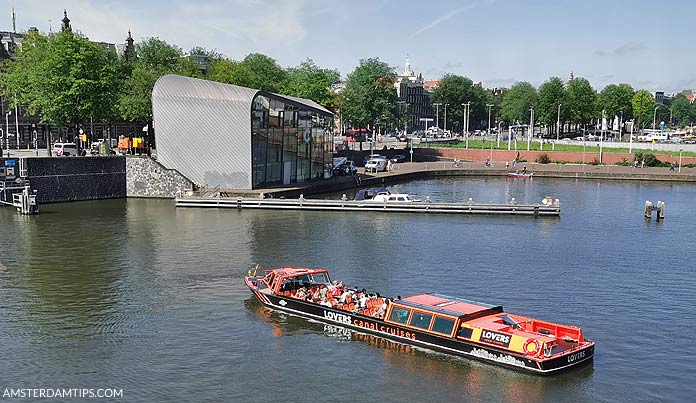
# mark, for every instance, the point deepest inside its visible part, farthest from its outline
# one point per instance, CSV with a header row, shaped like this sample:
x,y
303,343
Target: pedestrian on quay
x,y
671,166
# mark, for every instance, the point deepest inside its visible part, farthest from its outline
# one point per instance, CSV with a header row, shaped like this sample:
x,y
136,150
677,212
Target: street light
x,y
445,125
7,129
489,127
620,126
680,151
531,127
466,124
655,115
437,115
558,123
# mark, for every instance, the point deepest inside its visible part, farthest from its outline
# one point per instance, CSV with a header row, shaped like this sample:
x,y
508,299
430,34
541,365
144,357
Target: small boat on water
x,y
434,321
383,195
520,175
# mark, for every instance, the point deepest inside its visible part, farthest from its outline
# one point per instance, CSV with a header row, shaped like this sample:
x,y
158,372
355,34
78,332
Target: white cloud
x,y
234,28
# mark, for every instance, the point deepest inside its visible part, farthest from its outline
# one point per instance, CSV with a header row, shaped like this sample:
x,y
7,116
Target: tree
x,y
682,110
582,100
643,107
64,78
312,82
261,72
517,102
615,99
457,90
369,95
551,94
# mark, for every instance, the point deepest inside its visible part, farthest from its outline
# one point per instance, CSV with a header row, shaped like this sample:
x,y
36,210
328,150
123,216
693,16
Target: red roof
x,y
449,304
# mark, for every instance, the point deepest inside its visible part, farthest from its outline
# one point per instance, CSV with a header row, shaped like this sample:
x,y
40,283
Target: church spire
x,y
66,22
129,51
407,68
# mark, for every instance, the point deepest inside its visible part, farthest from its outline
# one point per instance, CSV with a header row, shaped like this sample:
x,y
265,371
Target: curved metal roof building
x,y
238,138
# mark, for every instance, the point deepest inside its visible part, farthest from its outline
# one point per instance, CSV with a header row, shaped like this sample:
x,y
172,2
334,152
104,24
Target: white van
x,y
376,165
65,149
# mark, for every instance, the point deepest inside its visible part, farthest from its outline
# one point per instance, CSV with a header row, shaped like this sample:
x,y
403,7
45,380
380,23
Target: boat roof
x,y
450,305
295,271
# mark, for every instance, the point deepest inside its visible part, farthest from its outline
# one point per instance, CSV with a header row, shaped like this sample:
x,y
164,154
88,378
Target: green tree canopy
x,y
615,99
154,58
582,100
517,102
64,78
457,90
643,108
312,82
369,95
551,94
683,112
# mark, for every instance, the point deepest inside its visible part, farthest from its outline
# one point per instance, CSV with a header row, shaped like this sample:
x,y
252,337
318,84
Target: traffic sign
x,y
426,119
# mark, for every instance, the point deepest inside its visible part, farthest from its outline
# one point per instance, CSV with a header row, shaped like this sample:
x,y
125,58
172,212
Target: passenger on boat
x,y
325,302
379,313
323,291
363,300
344,295
302,293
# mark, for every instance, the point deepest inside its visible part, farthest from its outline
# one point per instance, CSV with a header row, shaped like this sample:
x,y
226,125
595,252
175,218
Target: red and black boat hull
x,y
365,324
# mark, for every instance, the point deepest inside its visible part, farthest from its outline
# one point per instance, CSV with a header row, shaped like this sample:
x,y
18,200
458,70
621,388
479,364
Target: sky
x,y
648,44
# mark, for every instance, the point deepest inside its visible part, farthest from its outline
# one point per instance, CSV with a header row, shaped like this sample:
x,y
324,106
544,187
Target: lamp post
x,y
7,129
17,123
466,124
445,123
680,151
558,123
655,115
620,126
630,139
489,127
601,138
531,127
437,115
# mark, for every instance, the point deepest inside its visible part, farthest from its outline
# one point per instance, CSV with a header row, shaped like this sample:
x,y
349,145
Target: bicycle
x,y
457,163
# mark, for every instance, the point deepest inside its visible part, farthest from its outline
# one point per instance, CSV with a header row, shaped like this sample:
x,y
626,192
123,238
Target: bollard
x,y
648,209
660,210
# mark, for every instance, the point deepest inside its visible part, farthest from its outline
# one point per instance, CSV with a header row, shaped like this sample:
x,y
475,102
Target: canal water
x,y
141,296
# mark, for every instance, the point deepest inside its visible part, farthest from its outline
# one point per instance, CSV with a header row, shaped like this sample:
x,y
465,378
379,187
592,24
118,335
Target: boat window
x,y
421,320
465,332
443,325
400,199
399,315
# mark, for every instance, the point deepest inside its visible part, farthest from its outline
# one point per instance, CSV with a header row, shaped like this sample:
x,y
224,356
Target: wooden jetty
x,y
513,208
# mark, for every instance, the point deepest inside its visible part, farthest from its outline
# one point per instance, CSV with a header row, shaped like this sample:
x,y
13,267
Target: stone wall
x,y
61,179
146,177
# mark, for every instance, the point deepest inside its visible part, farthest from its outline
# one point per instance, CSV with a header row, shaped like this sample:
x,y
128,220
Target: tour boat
x,y
520,175
433,321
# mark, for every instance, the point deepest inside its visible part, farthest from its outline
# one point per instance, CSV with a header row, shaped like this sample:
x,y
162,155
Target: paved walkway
x,y
409,171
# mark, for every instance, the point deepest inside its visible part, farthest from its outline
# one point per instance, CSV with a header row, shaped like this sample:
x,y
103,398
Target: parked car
x,y
376,165
372,156
64,149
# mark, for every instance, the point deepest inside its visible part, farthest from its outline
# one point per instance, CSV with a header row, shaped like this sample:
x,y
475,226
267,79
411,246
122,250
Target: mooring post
x,y
660,210
648,209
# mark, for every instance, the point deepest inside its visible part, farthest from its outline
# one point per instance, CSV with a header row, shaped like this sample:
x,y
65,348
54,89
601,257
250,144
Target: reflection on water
x,y
143,296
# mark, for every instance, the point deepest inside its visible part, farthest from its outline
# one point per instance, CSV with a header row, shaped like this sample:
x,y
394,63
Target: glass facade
x,y
290,142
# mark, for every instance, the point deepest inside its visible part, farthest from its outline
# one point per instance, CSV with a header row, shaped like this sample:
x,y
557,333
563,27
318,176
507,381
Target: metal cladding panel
x,y
203,129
